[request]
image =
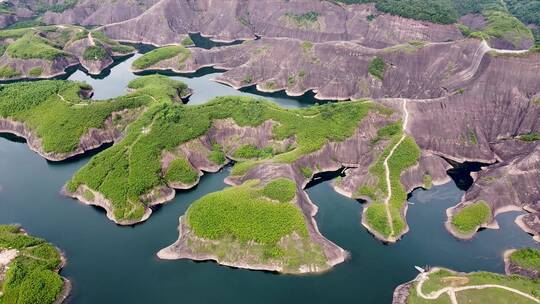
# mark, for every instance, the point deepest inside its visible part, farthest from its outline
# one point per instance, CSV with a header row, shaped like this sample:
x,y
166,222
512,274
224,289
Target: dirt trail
x,y
451,291
387,170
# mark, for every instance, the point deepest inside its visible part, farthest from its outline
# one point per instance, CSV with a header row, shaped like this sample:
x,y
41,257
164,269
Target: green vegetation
x,y
187,41
282,190
528,258
468,219
180,170
7,72
404,156
304,20
151,58
442,278
60,123
377,67
115,46
388,131
367,191
505,26
35,71
244,214
44,6
307,172
428,181
131,168
94,52
530,137
217,156
32,46
32,276
250,151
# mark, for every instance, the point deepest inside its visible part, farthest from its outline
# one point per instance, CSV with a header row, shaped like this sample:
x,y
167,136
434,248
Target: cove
x,y
111,264
113,82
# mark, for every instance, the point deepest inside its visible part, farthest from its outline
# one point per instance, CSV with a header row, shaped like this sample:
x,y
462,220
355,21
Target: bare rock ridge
x,y
340,71
169,21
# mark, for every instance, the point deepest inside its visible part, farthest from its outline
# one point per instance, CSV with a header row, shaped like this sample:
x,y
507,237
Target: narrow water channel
x,y
112,264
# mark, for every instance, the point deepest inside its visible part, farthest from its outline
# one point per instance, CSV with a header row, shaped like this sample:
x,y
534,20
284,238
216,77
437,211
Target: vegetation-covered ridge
x,y
131,171
527,258
56,113
384,215
31,275
254,225
52,49
467,220
167,52
439,285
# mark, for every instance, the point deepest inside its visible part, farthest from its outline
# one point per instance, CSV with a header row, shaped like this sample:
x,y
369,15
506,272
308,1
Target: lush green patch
x,y
282,190
250,151
530,137
94,52
151,58
7,72
217,156
377,67
528,258
180,170
245,215
303,20
32,46
31,277
35,71
115,46
439,11
428,181
404,156
132,167
505,26
388,131
61,123
470,217
187,41
307,172
443,278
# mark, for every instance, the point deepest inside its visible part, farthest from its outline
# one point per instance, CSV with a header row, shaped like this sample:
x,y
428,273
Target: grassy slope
x,y
242,215
132,167
528,258
60,124
151,58
31,277
405,156
469,218
441,279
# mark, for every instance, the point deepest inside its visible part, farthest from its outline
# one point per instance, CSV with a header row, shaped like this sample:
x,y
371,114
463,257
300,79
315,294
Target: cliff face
x,y
340,70
97,12
168,21
483,123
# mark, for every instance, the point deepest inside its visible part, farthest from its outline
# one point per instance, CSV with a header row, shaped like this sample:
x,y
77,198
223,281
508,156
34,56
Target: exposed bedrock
x,y
49,68
483,123
340,70
7,19
169,21
511,267
97,12
93,139
93,67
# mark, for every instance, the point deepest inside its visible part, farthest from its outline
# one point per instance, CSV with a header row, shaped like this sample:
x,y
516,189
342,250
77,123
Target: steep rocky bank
x,y
233,20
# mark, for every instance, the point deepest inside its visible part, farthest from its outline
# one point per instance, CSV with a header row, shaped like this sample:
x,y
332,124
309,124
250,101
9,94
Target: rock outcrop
x,y
169,21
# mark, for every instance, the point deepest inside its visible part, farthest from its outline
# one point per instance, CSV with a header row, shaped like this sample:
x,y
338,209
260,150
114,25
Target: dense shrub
x,y
94,52
470,217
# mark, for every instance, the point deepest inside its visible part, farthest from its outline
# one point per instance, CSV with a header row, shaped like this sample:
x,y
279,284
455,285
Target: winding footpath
x,y
451,291
387,171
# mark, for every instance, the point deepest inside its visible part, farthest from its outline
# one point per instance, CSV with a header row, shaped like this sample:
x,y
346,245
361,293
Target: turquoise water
x,y
112,264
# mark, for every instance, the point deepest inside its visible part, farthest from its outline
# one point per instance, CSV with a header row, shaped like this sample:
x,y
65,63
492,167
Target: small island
x,y
251,226
29,269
